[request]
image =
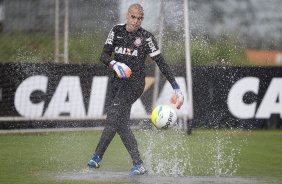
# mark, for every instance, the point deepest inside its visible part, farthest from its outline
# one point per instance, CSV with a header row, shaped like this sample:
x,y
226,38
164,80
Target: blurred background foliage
x,y
222,32
86,48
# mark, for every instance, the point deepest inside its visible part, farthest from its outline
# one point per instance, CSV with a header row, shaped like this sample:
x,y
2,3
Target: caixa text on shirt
x,y
126,51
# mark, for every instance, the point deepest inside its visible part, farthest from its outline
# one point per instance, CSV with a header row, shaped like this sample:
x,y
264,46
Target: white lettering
x,y
151,44
126,51
110,38
97,97
67,99
134,53
23,104
271,102
119,51
235,101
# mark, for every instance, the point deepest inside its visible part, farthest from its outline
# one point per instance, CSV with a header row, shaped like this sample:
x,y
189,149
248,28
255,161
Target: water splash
x,y
224,161
166,153
173,153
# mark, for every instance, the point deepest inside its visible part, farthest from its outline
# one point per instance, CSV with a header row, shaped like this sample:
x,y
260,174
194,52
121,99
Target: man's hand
x,y
121,69
177,98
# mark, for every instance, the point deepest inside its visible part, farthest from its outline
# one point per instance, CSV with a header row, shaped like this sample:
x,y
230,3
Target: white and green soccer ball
x,y
163,117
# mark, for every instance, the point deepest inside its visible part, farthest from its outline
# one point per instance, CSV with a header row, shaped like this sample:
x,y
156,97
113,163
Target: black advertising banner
x,y
24,87
241,97
223,96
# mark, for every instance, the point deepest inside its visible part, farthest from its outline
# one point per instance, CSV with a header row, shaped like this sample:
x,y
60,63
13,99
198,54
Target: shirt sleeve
x,y
152,46
155,53
108,48
164,68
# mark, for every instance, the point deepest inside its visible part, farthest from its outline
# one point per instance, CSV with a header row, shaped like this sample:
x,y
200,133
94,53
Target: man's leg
x,y
110,130
108,133
111,126
130,143
127,136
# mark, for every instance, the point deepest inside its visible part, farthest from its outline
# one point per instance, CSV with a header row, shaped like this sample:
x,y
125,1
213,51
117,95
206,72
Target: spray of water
x,y
223,160
166,153
173,153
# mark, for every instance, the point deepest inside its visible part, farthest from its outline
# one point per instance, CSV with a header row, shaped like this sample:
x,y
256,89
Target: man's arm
x,y
121,69
164,68
177,97
106,56
154,52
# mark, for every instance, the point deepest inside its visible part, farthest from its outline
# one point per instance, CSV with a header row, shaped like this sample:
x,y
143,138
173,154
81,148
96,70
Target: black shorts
x,y
123,93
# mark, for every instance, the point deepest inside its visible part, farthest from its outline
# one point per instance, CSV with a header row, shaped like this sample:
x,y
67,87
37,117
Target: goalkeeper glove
x,y
121,69
177,97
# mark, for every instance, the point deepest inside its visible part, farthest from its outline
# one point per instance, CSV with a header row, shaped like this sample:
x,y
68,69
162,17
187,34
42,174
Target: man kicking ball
x,y
125,51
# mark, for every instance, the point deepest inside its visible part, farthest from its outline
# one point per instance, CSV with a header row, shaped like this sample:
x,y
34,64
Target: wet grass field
x,y
206,156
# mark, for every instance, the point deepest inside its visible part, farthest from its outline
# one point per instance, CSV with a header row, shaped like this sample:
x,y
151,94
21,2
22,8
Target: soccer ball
x,y
163,117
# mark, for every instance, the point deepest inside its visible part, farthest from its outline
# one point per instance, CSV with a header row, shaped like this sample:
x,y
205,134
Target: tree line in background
x,y
38,47
221,31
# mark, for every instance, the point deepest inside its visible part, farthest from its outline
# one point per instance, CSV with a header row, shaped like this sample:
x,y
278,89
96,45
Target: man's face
x,y
134,19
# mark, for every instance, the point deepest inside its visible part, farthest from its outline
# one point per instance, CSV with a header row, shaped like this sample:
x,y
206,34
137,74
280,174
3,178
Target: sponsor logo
x,y
151,44
169,120
110,38
68,99
271,102
126,51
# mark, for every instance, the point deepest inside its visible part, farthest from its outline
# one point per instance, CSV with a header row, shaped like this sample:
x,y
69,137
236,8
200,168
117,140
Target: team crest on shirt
x,y
138,41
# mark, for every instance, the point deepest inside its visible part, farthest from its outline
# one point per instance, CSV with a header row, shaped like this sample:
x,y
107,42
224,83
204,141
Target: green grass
x,y
26,47
29,157
39,47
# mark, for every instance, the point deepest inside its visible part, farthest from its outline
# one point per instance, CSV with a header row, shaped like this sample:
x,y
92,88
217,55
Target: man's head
x,y
135,16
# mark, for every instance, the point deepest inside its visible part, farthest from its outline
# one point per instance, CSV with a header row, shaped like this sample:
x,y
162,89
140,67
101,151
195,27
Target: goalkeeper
x,y
125,51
